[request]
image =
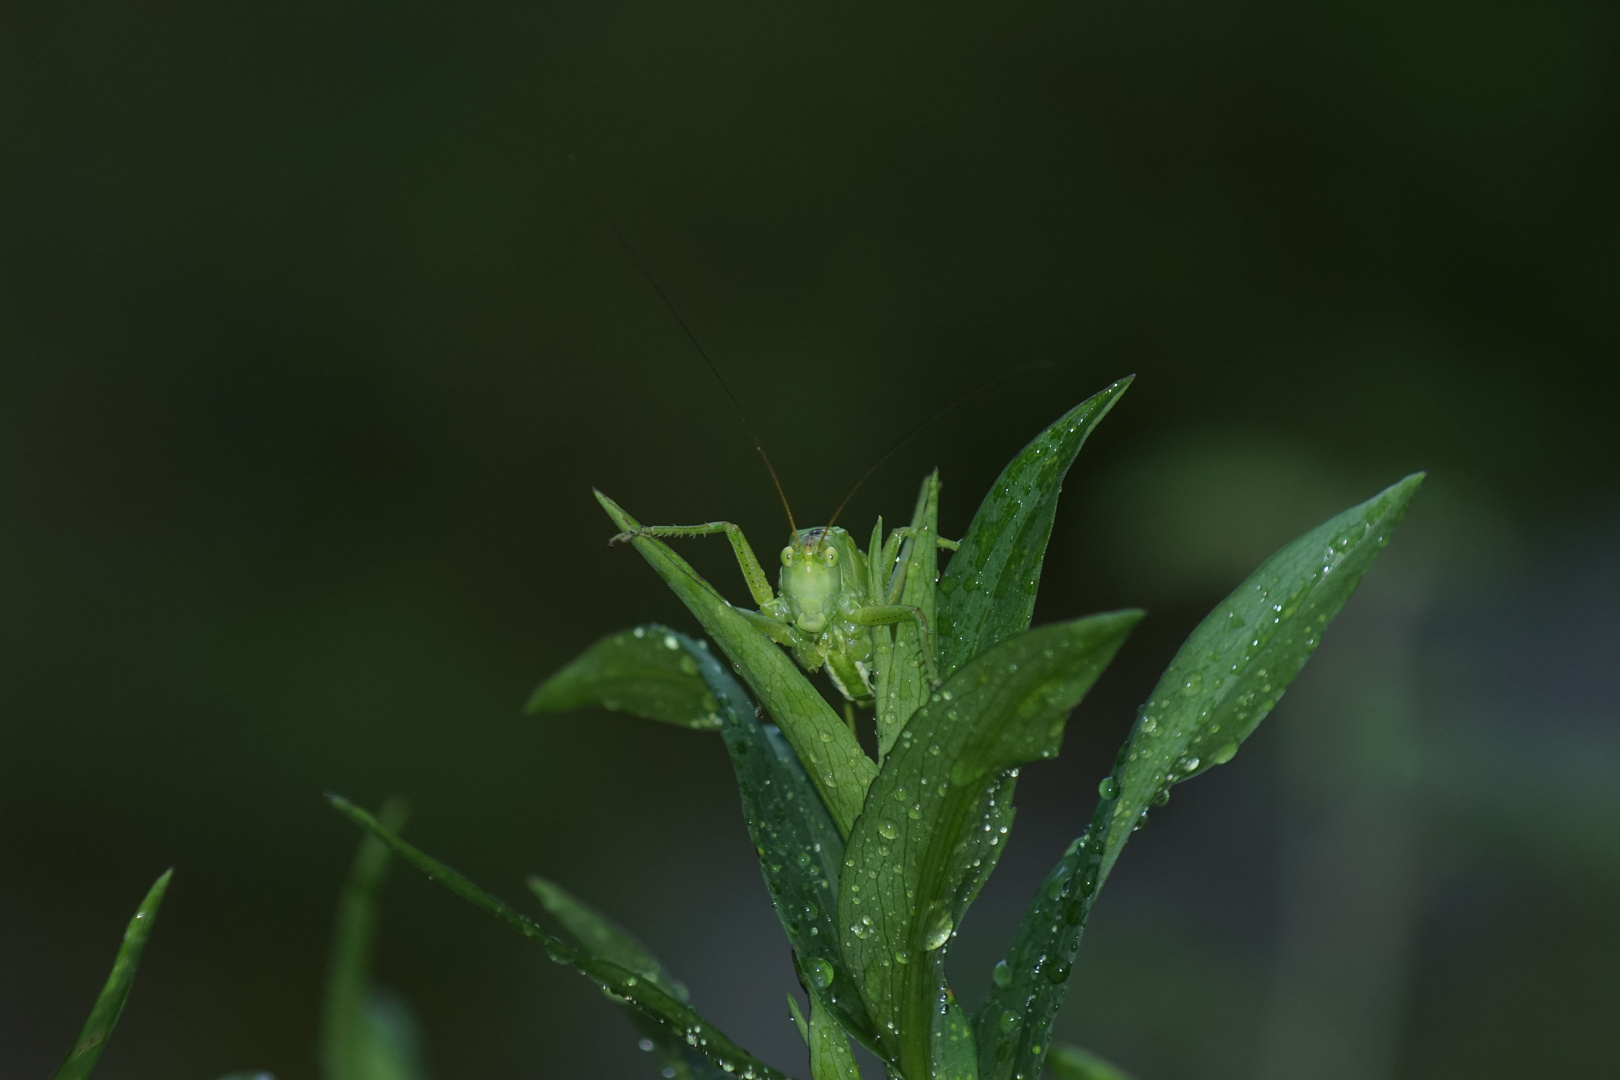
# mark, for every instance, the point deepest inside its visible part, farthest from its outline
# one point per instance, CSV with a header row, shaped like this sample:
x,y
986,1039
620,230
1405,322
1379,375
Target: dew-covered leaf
x,y
640,671
1072,1063
104,1014
1218,687
832,756
366,1034
602,937
800,849
937,815
902,678
1237,662
672,1016
987,593
607,940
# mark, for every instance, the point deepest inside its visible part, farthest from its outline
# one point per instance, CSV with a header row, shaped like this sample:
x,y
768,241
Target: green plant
x,y
871,863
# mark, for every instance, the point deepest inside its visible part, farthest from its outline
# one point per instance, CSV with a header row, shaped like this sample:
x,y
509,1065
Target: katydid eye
x,y
787,556
830,556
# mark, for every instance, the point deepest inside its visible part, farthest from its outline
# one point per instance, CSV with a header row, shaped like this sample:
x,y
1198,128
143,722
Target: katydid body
x,y
831,596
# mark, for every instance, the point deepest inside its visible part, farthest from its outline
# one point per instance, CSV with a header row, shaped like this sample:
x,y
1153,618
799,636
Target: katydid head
x,y
811,578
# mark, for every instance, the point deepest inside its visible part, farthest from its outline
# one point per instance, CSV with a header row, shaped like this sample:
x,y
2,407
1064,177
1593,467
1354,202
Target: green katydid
x,y
832,595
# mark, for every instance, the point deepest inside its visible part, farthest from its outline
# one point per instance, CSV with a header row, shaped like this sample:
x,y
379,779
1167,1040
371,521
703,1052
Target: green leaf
x,y
365,1034
640,671
671,1015
800,849
1218,687
609,941
902,679
1239,660
988,591
602,937
1072,1063
837,765
830,1055
937,814
104,1015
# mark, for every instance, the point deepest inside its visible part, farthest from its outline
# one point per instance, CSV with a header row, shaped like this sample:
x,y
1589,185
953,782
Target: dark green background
x,y
312,346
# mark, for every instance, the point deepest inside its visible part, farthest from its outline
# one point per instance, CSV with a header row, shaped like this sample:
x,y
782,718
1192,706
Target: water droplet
x,y
887,830
803,858
1223,753
901,956
670,643
646,1045
1008,1021
915,812
939,930
821,972
1002,974
1109,788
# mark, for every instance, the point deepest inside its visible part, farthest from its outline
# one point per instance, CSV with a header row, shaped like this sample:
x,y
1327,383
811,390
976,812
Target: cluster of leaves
x,y
872,863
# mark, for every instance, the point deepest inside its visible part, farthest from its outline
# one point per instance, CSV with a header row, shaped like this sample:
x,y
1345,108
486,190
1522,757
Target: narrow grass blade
x,y
937,814
1072,1063
653,1002
609,941
988,591
837,765
1219,686
364,1034
902,682
800,849
640,671
104,1015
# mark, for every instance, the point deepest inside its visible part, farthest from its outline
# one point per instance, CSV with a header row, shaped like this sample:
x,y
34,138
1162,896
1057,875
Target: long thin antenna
x,y
907,437
635,257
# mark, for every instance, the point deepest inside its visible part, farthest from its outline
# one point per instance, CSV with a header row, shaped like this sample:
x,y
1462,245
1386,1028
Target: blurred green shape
x,y
104,1014
1218,687
935,821
1069,1062
643,671
672,1016
837,766
365,1033
987,593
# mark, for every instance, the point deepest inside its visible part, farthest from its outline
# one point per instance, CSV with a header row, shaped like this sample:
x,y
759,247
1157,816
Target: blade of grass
x,y
621,673
988,591
110,1003
1218,687
937,813
837,765
656,1004
365,1036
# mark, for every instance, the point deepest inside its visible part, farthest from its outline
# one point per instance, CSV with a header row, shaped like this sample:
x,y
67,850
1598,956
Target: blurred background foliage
x,y
312,346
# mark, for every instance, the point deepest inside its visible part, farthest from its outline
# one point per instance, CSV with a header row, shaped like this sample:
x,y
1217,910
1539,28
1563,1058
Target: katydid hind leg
x,y
758,584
